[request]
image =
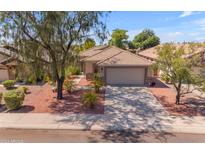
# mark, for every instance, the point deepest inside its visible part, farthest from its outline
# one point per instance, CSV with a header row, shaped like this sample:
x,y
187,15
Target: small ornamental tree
x,y
177,68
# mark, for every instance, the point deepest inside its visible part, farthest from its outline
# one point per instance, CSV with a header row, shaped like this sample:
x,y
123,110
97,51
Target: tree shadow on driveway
x,y
126,108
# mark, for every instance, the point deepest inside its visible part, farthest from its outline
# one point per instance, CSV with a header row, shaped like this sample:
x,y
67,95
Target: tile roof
x,y
115,56
104,54
93,51
125,58
190,50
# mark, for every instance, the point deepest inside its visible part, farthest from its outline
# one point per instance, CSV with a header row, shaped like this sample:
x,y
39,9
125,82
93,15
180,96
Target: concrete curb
x,y
98,128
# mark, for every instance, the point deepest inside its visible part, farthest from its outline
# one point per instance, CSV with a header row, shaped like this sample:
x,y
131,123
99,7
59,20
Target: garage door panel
x,y
125,75
4,75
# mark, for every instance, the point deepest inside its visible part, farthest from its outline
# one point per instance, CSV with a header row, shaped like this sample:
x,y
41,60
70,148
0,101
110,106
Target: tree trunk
x,y
60,88
178,97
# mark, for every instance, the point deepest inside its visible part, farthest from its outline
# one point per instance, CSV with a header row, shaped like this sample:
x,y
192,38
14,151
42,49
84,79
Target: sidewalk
x,y
194,125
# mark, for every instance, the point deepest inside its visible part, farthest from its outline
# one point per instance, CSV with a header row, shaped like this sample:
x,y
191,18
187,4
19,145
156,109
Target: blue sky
x,y
169,26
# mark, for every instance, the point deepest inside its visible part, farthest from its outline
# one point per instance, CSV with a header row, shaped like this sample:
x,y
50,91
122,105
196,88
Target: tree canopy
x,y
89,43
178,69
146,39
54,32
119,38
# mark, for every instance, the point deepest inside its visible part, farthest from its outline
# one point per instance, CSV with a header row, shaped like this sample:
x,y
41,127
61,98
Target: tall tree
x,y
172,63
146,39
89,43
119,38
55,32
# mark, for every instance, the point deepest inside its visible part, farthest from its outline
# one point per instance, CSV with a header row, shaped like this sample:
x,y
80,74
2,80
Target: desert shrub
x,y
165,78
89,99
23,89
73,70
13,99
203,86
97,82
19,79
8,84
31,79
46,78
1,96
69,85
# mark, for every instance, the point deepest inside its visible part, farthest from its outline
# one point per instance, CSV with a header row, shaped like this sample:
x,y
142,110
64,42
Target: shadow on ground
x,y
131,136
126,108
23,109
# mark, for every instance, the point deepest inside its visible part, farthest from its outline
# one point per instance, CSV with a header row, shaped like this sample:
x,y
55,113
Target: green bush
x,y
46,78
13,99
8,84
23,89
31,79
73,70
203,86
69,85
89,99
165,78
97,83
1,96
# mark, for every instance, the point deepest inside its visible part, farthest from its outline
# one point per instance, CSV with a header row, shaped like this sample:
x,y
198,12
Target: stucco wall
x,y
89,67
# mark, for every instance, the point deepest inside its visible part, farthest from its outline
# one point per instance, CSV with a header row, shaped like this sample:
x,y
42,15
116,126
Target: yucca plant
x,y
1,96
89,99
69,85
97,83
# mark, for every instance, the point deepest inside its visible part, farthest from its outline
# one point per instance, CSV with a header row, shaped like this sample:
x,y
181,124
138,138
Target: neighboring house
x,y
115,65
190,51
8,63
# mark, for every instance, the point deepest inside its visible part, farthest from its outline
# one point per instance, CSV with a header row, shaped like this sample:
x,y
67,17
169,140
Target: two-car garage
x,y
117,66
125,75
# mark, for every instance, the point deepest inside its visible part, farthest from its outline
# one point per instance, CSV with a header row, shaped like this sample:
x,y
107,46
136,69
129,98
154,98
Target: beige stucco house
x,y
115,65
190,50
8,63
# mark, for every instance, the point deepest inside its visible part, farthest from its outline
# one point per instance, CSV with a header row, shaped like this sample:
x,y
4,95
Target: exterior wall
x,y
4,74
12,73
89,67
2,57
152,73
125,75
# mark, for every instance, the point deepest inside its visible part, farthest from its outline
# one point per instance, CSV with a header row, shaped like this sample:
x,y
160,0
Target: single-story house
x,y
190,50
115,65
8,63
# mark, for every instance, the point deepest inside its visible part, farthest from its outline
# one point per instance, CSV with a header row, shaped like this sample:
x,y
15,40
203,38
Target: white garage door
x,y
125,75
4,75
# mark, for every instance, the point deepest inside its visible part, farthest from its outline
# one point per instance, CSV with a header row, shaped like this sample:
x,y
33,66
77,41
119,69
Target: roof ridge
x,y
96,53
133,54
109,57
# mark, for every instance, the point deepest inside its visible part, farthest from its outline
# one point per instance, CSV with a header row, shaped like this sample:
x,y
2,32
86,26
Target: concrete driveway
x,y
132,107
136,101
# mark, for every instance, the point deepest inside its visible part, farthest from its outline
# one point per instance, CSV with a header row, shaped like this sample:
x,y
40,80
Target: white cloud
x,y
185,14
133,33
200,39
170,36
194,34
174,34
201,23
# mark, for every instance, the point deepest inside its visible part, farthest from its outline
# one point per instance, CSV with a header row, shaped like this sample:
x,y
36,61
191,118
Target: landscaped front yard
x,y
190,105
41,99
